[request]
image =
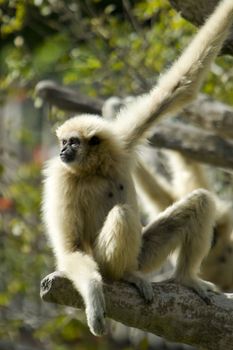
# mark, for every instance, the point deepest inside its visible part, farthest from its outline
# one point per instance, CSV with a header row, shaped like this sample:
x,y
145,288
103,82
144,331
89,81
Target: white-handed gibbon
x,y
89,202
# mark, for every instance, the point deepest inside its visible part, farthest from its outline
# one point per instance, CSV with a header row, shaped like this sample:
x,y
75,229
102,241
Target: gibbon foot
x,y
198,286
143,286
96,312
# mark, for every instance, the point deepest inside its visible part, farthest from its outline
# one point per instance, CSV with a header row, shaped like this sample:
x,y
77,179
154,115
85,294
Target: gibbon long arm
x,y
181,83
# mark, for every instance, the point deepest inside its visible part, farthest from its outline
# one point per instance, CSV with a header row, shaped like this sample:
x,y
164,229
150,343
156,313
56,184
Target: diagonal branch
x,y
176,312
196,12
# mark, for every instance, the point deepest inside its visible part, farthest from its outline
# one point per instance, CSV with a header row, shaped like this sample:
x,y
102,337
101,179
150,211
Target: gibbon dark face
x,y
69,149
72,146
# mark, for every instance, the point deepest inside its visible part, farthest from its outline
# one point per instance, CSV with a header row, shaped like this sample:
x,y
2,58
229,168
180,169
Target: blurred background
x,y
100,48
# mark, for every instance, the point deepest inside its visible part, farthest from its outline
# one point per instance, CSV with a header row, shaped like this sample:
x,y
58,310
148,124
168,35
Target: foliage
x,y
102,47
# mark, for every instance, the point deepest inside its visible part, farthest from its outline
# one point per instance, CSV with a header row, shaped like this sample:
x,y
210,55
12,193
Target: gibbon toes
x,y
96,313
145,289
199,286
143,286
202,288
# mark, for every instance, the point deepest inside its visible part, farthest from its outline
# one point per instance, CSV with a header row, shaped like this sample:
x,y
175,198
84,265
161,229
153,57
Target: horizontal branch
x,y
194,143
67,99
196,12
176,313
205,112
210,115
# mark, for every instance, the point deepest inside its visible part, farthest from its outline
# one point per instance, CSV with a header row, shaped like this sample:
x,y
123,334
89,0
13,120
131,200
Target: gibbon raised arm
x,y
89,202
180,84
152,188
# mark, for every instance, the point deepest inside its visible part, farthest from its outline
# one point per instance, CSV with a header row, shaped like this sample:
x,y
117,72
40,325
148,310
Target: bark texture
x,y
176,313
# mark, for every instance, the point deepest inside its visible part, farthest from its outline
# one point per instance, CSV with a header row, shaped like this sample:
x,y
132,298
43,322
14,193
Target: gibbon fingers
x,y
89,201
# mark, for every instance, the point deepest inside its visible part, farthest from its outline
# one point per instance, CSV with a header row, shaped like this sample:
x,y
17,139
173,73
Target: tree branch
x,y
176,312
194,143
67,99
196,12
210,115
206,112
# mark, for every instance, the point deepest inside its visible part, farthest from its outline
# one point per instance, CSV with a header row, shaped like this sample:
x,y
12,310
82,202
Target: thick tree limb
x,y
67,99
176,312
210,115
194,143
196,11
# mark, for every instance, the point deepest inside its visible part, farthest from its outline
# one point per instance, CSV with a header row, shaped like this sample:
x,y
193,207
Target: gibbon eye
x,y
64,142
74,141
94,140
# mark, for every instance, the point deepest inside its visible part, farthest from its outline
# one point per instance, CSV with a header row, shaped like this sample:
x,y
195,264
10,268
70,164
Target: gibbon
x,y
217,267
89,201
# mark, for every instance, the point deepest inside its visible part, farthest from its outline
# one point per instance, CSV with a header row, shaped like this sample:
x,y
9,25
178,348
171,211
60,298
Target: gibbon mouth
x,y
67,157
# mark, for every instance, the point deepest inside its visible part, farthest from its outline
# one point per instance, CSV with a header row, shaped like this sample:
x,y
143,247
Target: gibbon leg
x,y
188,224
82,270
117,248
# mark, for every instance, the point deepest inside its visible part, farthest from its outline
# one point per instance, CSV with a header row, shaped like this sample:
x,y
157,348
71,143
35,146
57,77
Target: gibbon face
x,y
87,144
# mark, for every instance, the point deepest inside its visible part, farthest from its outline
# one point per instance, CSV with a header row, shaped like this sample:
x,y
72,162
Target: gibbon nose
x,y
67,154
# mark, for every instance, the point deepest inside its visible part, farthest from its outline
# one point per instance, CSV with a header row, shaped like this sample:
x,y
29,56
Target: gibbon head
x,y
88,144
